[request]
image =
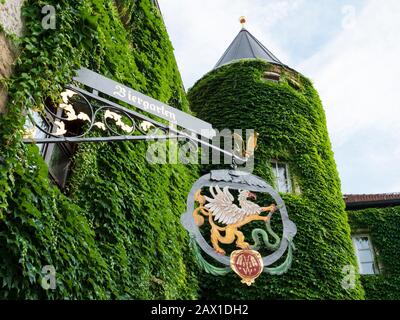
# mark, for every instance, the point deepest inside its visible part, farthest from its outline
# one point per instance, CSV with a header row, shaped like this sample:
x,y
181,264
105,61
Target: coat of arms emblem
x,y
227,221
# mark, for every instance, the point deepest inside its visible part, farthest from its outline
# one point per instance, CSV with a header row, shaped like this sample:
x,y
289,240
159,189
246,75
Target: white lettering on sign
x,y
139,100
122,92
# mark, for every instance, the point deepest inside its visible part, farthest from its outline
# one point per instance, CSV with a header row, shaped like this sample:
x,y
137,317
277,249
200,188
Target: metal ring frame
x,y
237,180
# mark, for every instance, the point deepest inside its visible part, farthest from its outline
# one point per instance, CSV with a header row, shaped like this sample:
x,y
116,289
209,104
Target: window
x,y
294,84
365,254
58,159
271,76
282,178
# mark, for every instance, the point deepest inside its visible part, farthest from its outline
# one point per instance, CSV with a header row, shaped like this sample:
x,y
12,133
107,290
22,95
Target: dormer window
x,y
282,177
271,76
294,84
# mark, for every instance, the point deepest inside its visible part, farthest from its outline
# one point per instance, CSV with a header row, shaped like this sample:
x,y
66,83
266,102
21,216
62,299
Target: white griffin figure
x,y
222,209
225,211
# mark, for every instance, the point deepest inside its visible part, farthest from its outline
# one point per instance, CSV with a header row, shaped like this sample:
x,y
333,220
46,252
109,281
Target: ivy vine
x,y
114,232
291,124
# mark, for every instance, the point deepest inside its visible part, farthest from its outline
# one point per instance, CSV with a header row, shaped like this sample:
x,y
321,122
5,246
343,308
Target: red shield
x,y
248,264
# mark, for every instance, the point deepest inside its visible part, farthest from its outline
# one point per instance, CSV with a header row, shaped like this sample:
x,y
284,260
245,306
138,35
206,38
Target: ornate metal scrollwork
x,y
86,115
78,112
98,116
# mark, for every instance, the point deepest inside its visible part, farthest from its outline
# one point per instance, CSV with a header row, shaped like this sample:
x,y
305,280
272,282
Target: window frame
x,y
274,165
271,76
374,261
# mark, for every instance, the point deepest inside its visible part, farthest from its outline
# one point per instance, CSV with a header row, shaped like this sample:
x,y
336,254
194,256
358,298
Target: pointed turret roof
x,y
246,46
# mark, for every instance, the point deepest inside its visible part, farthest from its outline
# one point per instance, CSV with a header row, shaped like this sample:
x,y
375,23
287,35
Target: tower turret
x,y
250,88
246,46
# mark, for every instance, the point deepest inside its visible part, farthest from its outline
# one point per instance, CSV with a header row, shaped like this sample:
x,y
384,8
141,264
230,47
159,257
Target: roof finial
x,y
242,20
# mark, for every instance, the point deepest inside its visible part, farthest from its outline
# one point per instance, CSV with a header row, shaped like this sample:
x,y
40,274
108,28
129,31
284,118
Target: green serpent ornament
x,y
284,267
256,233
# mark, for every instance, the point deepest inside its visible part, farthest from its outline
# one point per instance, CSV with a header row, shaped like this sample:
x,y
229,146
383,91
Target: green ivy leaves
x,y
114,233
383,226
292,128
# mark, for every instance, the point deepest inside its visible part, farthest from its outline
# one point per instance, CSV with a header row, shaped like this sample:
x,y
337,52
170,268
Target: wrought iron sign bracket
x,y
98,116
85,116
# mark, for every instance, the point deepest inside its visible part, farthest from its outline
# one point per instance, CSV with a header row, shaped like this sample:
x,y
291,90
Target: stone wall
x,y
10,23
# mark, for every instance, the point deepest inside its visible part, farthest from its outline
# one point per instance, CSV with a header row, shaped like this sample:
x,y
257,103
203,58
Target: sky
x,y
348,48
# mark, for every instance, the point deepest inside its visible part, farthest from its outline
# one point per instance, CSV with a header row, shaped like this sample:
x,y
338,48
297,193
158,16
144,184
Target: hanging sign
x,y
237,210
139,100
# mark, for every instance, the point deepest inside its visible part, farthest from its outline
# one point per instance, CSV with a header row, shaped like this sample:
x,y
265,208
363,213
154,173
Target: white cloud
x,y
357,76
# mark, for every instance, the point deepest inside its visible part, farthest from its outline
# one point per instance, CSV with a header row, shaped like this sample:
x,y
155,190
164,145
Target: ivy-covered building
x,y
99,213
375,222
108,221
251,88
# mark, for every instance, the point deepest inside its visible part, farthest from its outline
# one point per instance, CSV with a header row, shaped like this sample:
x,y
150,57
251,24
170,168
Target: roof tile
x,y
352,198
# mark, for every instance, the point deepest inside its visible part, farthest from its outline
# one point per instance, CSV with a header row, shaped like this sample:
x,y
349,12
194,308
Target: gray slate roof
x,y
246,46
